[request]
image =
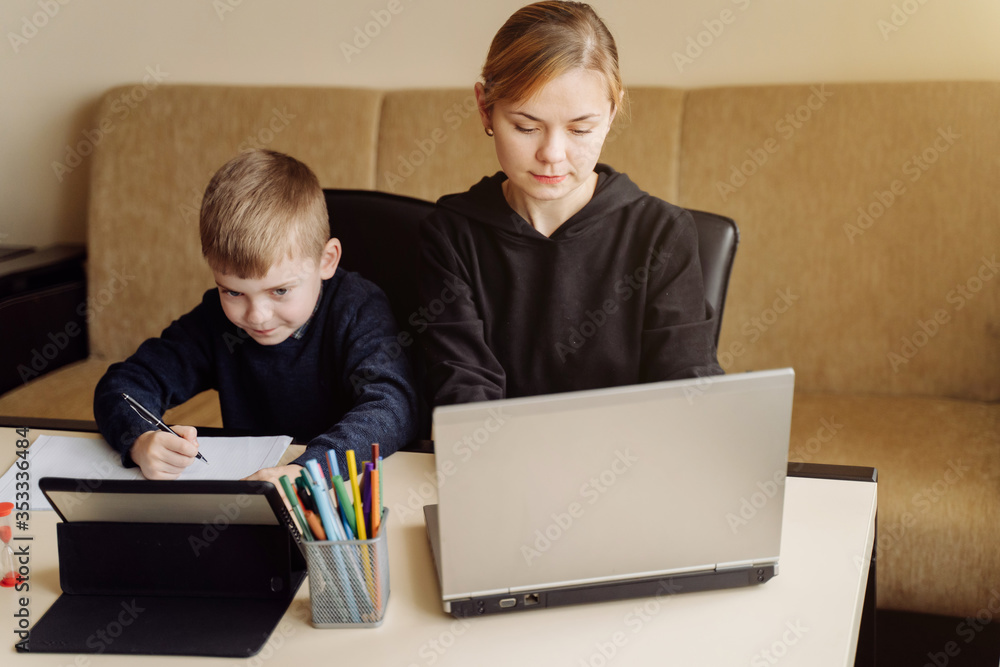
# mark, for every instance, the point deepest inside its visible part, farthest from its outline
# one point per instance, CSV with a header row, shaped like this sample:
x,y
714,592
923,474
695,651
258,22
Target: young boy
x,y
284,337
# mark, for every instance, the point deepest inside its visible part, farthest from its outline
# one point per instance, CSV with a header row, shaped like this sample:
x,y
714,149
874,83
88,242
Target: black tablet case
x,y
170,588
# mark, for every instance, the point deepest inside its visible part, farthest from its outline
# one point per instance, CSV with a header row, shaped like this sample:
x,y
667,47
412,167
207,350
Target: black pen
x,y
153,419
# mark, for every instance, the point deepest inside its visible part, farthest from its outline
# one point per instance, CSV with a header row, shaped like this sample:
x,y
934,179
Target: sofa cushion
x,y
938,490
68,393
870,241
645,141
431,143
65,393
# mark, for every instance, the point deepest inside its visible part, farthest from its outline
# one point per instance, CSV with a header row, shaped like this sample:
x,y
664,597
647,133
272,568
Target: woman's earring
x,y
489,131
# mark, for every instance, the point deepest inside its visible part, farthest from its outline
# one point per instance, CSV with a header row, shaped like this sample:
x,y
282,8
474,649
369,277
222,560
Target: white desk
x,y
808,615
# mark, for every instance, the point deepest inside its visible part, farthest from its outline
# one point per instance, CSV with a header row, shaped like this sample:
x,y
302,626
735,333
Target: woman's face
x,y
548,145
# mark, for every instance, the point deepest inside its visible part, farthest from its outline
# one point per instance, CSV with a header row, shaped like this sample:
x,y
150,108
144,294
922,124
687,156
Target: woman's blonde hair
x,y
541,42
260,207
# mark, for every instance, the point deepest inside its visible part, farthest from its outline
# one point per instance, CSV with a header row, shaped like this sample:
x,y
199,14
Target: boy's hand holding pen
x,y
166,452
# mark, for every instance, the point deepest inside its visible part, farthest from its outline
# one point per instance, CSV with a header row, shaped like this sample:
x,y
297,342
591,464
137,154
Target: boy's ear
x,y
330,258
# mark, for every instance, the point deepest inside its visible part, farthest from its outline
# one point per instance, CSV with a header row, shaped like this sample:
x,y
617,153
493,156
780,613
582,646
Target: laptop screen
x,y
611,484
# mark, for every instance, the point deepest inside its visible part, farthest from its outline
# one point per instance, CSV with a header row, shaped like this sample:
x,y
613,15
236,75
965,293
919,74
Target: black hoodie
x,y
613,297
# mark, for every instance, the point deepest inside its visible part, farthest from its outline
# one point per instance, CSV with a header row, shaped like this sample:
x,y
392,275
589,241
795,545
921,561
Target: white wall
x,y
58,57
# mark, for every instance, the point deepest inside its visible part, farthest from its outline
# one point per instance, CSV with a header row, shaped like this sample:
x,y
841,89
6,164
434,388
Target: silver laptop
x,y
612,493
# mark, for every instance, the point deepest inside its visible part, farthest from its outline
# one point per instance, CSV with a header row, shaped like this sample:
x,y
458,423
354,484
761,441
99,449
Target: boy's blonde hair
x,y
260,207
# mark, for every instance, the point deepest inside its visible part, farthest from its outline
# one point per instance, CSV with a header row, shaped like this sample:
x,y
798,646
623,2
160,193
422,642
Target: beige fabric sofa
x,y
870,220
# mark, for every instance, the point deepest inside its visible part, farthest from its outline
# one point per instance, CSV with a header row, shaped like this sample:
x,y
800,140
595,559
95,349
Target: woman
x,y
558,273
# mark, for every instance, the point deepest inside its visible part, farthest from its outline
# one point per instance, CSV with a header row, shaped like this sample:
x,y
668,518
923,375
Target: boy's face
x,y
272,308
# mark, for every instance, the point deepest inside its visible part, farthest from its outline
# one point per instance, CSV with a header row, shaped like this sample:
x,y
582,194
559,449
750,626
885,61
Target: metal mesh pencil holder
x,y
349,580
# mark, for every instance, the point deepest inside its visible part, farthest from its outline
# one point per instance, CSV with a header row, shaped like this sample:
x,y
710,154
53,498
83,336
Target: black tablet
x,y
193,567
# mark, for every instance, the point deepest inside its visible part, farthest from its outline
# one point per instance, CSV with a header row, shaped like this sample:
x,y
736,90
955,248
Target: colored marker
x,y
346,506
380,494
356,494
331,460
315,525
294,501
376,502
366,496
320,497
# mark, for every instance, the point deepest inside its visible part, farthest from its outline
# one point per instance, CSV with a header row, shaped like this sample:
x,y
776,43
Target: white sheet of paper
x,y
94,459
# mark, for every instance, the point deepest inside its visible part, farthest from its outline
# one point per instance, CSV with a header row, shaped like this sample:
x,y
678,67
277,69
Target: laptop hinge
x,y
734,565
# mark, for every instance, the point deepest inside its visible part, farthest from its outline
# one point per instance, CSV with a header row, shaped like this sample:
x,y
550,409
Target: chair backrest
x,y
380,233
718,237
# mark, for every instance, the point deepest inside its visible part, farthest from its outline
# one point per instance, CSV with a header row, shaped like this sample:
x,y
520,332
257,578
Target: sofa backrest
x,y
902,301
152,166
870,222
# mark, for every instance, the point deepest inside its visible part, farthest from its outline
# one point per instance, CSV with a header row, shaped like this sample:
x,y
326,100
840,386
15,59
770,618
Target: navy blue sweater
x,y
339,386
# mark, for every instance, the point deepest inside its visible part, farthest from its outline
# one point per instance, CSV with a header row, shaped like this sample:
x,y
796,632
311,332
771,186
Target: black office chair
x,y
718,237
381,236
380,233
